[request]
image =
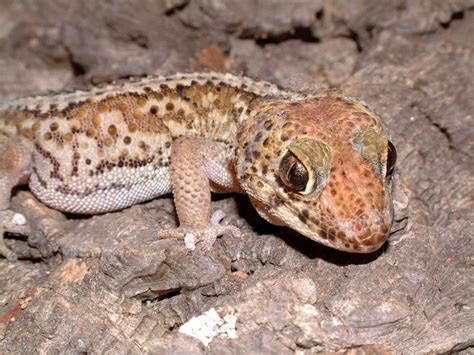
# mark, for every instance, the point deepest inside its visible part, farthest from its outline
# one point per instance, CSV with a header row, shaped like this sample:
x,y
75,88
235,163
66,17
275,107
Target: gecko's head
x,y
323,167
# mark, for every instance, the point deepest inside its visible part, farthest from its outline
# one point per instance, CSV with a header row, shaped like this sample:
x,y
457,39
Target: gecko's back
x,y
109,148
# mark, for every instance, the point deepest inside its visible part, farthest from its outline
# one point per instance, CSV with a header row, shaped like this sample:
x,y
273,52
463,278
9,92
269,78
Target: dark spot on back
x,y
302,217
305,213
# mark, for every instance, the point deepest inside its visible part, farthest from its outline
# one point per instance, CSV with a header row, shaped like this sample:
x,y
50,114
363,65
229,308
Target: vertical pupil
x,y
297,176
293,173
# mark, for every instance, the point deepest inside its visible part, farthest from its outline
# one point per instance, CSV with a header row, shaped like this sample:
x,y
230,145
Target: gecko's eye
x,y
305,165
391,159
293,172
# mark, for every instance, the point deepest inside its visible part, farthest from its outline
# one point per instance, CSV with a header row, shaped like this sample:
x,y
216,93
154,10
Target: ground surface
x,y
104,283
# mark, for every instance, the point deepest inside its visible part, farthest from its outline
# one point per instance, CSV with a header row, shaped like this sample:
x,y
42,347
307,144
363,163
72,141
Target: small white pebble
x,y
190,241
19,219
209,325
229,327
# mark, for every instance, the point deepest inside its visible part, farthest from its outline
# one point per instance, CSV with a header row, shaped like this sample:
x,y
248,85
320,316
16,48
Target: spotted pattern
x,y
108,148
344,146
106,151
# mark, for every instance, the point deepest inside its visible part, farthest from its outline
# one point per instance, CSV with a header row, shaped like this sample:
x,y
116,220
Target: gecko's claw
x,y
193,235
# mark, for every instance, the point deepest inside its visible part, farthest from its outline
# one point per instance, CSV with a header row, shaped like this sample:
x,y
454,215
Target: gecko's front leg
x,y
197,166
15,168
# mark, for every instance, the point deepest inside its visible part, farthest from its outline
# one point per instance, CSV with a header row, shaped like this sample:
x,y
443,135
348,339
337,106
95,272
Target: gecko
x,y
320,163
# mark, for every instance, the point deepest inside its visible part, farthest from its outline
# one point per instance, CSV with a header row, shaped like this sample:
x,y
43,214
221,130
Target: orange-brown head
x,y
321,166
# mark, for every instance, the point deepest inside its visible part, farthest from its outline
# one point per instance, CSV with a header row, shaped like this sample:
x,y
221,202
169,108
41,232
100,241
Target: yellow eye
x,y
391,159
293,173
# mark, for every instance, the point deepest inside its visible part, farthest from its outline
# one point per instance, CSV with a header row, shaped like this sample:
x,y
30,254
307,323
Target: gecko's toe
x,y
209,236
192,236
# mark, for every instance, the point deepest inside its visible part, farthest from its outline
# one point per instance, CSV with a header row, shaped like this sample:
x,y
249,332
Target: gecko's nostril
x,y
361,232
366,228
358,227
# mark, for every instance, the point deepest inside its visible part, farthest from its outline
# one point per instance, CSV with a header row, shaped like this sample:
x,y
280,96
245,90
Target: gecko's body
x,y
316,163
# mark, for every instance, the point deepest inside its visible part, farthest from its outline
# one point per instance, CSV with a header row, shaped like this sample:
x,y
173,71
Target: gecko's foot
x,y
12,222
207,235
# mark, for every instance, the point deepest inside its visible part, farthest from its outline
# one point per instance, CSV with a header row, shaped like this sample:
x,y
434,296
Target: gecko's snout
x,y
369,229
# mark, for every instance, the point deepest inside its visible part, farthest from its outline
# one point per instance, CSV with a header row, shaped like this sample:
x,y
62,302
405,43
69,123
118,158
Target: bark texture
x,y
105,284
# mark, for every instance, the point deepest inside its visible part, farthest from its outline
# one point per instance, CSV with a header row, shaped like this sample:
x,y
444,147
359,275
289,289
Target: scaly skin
x,y
319,163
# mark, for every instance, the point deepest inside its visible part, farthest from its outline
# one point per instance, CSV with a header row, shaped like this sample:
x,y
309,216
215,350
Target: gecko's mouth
x,y
347,236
